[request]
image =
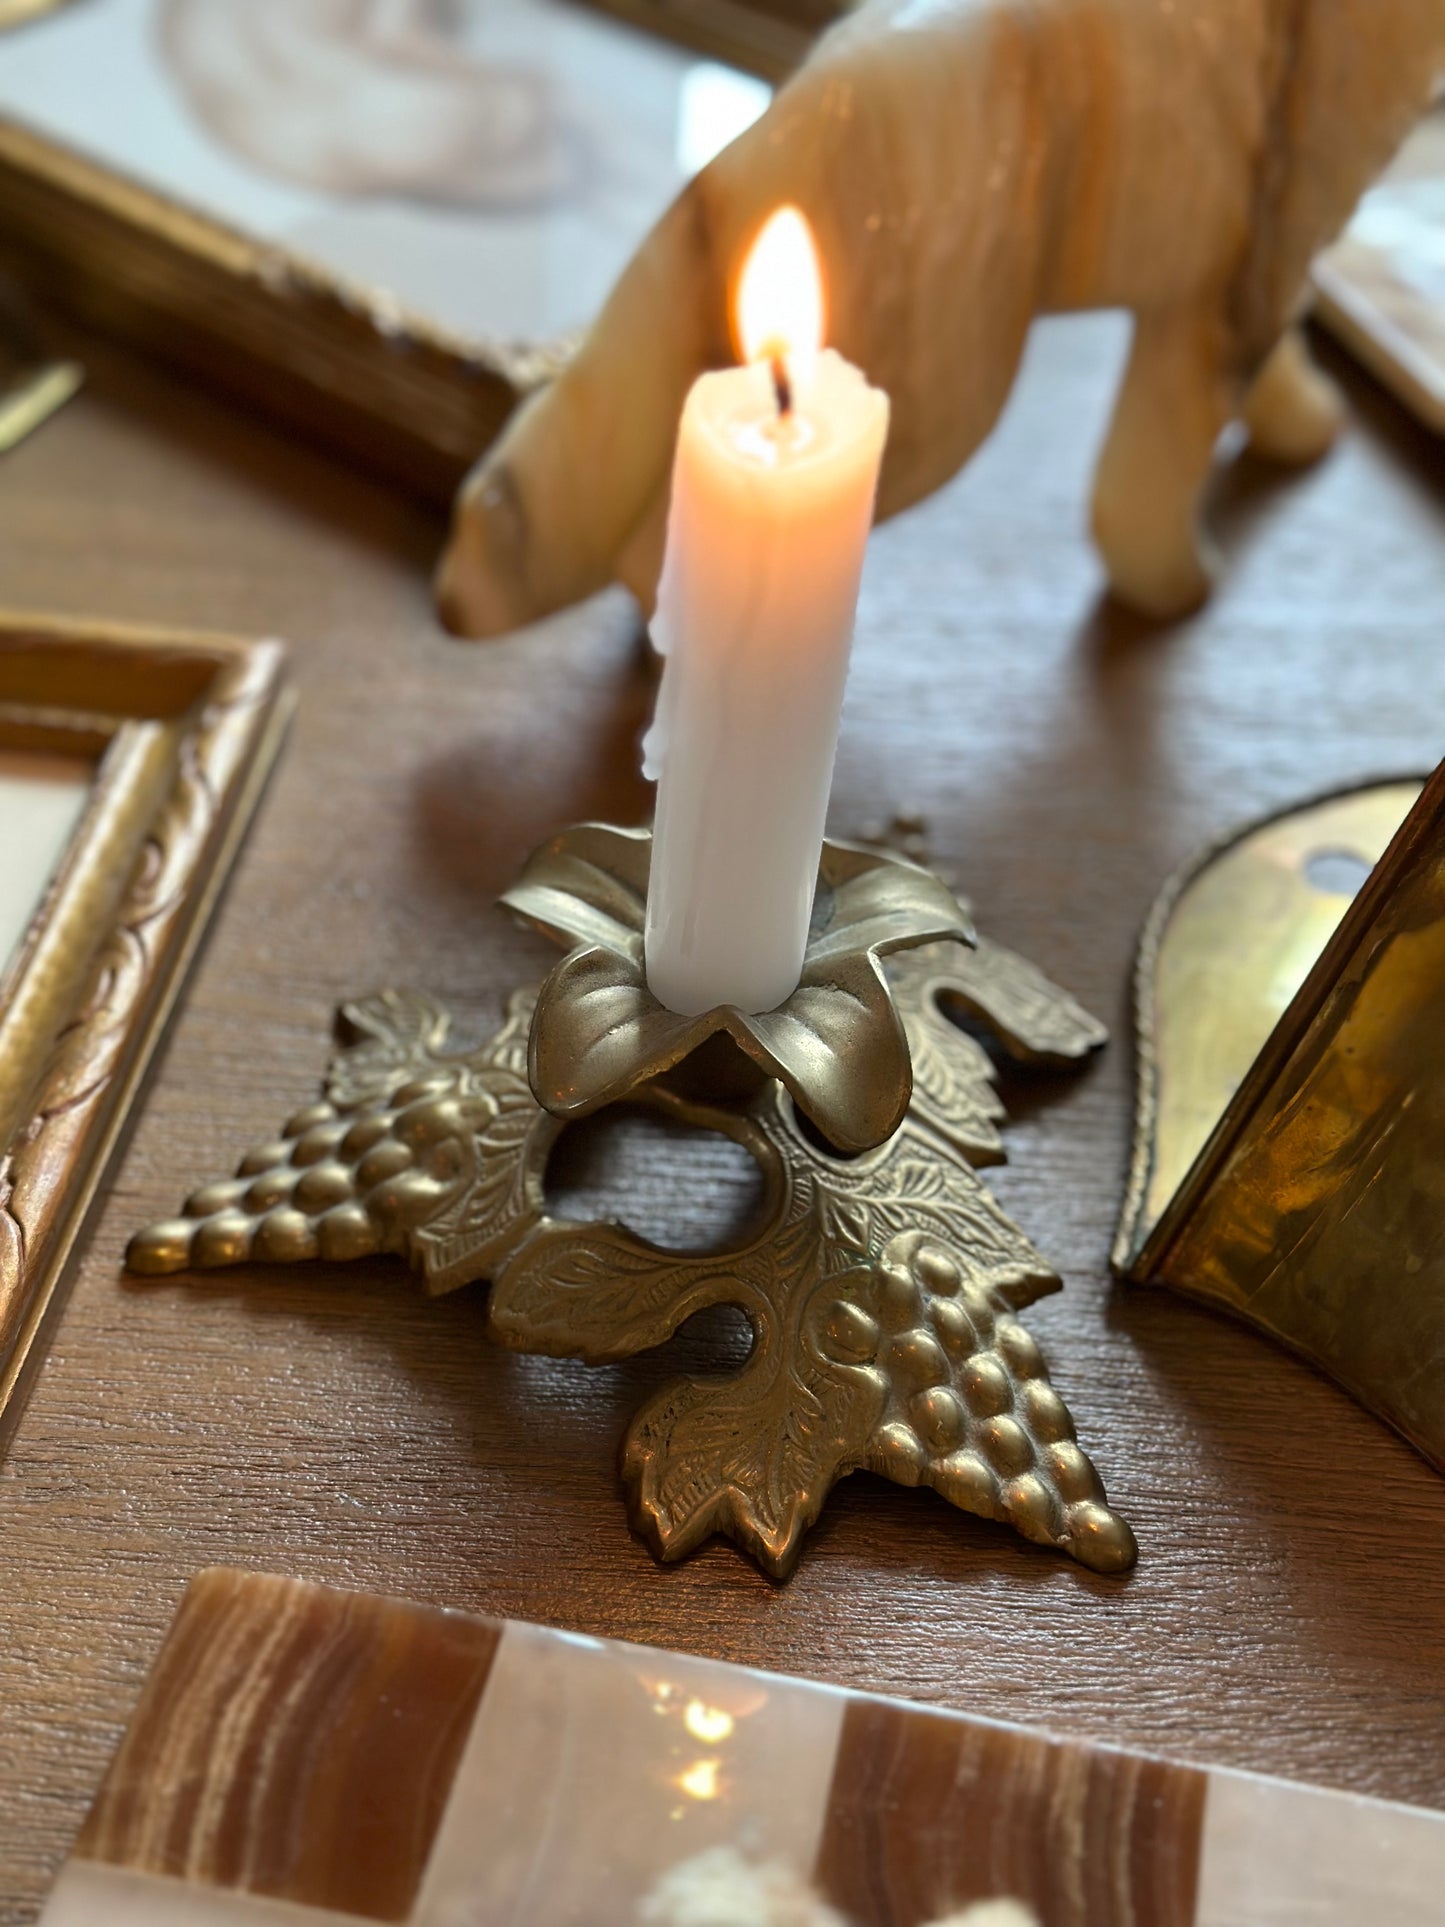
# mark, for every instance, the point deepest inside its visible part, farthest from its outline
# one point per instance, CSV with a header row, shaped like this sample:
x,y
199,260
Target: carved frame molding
x,y
182,731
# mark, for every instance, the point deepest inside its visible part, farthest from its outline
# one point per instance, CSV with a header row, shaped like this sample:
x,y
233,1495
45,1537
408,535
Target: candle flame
x,y
780,293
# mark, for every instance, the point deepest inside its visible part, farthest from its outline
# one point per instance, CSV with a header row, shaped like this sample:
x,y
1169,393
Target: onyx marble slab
x,y
302,1756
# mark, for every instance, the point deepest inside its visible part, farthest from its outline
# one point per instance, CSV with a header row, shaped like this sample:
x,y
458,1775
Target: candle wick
x,y
782,387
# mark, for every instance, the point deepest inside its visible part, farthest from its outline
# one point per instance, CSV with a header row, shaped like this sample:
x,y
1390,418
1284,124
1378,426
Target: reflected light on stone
x,y
659,1691
700,1780
710,1724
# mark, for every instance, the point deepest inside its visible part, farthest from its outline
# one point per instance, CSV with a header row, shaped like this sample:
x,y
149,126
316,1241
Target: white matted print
x,y
490,163
42,799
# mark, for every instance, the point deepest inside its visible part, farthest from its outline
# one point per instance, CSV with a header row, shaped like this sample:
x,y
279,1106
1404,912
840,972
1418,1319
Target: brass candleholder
x,y
884,1285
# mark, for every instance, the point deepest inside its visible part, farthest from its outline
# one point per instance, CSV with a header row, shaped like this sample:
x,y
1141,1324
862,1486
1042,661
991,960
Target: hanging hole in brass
x,y
720,1338
681,1188
1227,947
1337,873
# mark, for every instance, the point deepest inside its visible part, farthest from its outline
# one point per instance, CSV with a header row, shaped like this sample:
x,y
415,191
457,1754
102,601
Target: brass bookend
x,y
883,1285
1288,1157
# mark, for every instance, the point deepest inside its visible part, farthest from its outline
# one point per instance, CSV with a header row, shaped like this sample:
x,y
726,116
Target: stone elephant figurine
x,y
967,165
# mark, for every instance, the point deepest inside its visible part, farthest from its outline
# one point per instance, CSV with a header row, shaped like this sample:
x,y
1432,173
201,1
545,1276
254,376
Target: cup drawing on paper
x,y
366,97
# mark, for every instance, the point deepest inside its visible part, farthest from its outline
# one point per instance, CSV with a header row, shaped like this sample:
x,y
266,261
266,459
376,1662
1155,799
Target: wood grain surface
x,y
1288,1612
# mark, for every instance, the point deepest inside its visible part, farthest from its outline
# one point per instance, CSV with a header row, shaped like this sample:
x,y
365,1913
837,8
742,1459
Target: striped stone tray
x,y
302,1756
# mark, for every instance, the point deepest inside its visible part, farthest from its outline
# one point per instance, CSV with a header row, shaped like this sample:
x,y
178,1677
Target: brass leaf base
x,y
883,1289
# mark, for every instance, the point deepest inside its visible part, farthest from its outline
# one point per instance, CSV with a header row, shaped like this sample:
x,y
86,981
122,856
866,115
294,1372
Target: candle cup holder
x,y
884,1285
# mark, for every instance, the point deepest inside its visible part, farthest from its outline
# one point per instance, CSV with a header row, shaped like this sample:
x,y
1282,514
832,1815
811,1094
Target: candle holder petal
x,y
837,1044
877,907
839,1047
599,1032
587,885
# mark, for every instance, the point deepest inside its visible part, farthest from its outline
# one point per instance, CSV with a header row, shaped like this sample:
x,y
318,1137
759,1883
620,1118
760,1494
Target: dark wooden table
x,y
1288,1612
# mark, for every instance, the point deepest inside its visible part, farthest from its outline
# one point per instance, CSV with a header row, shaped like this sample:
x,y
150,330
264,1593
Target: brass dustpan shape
x,y
1289,1155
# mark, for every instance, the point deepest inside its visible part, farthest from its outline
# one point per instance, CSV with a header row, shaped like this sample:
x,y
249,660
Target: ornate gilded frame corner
x,y
344,362
1289,1174
181,732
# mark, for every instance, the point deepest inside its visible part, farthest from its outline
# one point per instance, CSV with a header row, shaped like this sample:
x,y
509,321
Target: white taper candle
x,y
772,499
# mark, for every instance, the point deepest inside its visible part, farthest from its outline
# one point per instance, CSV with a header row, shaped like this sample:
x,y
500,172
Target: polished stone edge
x,y
295,1742
302,1755
1277,1854
90,1893
632,1762
928,1812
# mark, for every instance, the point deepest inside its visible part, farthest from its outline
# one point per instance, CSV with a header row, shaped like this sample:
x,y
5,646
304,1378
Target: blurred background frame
x,y
391,285
766,37
391,282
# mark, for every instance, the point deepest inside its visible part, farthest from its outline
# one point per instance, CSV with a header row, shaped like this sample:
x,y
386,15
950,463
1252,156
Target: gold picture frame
x,y
344,363
398,302
1380,288
341,300
180,732
766,37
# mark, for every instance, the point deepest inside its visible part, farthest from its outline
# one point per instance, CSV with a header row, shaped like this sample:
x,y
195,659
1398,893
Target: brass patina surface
x,y
180,731
1292,1095
837,1044
883,1289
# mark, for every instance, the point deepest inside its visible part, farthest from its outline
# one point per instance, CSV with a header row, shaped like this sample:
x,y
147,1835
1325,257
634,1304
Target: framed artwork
x,y
766,37
382,223
130,763
1382,286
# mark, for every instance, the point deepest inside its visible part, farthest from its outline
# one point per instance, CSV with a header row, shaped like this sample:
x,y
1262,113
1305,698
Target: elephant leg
x,y
1294,411
1176,397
